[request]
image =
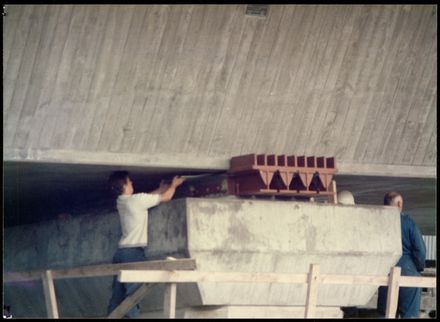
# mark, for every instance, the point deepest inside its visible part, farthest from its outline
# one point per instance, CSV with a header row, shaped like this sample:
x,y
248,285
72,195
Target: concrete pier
x,y
222,235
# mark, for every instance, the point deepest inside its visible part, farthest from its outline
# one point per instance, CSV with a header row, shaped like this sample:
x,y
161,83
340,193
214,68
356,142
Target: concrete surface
x,y
84,240
222,235
161,161
267,236
355,82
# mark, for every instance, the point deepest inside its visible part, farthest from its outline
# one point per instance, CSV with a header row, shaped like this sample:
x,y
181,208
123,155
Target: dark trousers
x,y
408,304
123,290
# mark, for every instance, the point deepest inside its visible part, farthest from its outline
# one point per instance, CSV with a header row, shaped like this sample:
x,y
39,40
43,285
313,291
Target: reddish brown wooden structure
x,y
262,174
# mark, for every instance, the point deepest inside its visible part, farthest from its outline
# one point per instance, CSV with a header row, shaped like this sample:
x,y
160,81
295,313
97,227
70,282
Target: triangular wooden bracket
x,y
287,177
316,184
277,182
266,176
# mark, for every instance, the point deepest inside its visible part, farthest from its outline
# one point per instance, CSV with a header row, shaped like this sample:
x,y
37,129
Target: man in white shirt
x,y
133,214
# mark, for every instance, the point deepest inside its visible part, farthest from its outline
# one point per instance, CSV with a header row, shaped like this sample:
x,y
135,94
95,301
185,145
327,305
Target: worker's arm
x,y
169,192
162,188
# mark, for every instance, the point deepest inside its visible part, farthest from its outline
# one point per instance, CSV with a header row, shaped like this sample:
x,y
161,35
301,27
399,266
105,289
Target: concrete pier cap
x,y
223,235
281,237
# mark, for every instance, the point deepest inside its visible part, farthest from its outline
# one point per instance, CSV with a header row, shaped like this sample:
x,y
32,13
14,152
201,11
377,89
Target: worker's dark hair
x,y
117,180
389,197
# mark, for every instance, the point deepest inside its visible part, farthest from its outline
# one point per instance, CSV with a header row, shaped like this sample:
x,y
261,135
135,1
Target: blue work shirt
x,y
413,247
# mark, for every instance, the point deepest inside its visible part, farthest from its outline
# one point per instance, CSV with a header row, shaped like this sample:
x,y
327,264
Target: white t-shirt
x,y
133,214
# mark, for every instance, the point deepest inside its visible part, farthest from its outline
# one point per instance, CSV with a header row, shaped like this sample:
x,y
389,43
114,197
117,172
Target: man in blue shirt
x,y
412,262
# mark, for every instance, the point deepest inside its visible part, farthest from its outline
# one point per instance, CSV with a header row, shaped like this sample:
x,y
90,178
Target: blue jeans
x,y
123,290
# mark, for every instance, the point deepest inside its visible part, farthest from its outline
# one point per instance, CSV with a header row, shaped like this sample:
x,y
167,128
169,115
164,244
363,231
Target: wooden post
x,y
334,197
49,294
169,303
393,292
312,291
131,301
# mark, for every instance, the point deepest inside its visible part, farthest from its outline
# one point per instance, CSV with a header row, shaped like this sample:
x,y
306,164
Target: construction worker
x,y
133,214
412,262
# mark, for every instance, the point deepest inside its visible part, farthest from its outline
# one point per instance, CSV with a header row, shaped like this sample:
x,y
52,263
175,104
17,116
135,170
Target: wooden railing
x,y
48,276
179,271
313,280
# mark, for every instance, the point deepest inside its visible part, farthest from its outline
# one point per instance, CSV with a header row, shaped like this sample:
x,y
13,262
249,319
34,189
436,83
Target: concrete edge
x,y
188,161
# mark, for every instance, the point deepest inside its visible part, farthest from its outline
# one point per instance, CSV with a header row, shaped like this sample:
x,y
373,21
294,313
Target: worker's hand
x,y
177,181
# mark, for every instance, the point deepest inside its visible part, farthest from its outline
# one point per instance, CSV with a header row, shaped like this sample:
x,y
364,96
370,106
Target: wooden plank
x,y
393,292
130,301
353,280
312,291
127,276
102,270
169,303
49,294
10,277
416,281
113,269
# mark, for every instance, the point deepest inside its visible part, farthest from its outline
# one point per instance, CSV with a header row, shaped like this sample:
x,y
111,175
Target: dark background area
x,y
35,192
